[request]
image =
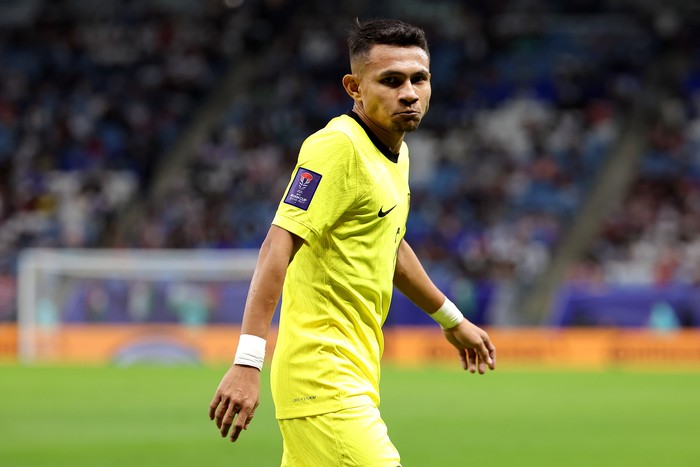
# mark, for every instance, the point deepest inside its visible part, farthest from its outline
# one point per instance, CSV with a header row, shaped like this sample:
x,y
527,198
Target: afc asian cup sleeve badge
x,y
302,189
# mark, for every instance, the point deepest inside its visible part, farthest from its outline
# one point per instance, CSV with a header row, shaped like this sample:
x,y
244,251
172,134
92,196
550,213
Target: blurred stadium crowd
x,y
530,98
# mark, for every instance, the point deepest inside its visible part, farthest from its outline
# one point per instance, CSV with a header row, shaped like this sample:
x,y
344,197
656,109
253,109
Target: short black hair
x,y
364,35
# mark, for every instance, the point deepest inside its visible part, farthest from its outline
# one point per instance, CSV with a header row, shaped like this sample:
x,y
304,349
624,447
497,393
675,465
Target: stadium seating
x,y
528,100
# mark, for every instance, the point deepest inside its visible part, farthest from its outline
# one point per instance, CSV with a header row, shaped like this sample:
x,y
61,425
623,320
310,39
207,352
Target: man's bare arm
x,y
473,344
239,390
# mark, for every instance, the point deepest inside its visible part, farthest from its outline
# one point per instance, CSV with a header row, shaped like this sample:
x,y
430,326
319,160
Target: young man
x,y
336,249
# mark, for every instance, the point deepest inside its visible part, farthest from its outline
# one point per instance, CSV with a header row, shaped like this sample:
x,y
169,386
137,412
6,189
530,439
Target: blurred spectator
x,y
91,99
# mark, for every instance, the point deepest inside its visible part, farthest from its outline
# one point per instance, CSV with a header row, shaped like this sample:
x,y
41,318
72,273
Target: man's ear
x,y
351,83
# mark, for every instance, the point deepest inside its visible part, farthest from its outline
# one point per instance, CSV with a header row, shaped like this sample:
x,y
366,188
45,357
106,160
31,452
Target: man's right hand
x,y
237,394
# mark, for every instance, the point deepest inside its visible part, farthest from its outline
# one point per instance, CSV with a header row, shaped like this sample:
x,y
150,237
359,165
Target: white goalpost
x,y
107,287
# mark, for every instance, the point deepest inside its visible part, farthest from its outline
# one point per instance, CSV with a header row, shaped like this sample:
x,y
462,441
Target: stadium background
x,y
555,197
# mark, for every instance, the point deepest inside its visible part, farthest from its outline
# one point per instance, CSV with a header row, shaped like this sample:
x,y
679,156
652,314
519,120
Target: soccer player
x,y
334,251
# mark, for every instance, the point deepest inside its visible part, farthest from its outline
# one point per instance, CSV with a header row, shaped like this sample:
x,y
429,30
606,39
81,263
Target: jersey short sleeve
x,y
322,188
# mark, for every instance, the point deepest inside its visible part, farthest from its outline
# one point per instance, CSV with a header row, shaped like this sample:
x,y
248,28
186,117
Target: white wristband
x,y
250,351
448,315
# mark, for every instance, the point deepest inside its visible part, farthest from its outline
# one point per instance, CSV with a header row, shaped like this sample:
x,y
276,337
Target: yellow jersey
x,y
348,199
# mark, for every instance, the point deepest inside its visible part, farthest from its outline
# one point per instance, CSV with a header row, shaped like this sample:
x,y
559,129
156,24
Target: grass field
x,y
157,416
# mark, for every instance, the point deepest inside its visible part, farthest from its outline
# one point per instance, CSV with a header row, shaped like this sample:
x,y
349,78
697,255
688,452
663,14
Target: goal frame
x,y
192,264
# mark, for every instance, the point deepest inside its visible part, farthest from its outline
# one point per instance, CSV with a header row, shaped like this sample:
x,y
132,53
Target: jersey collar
x,y
383,148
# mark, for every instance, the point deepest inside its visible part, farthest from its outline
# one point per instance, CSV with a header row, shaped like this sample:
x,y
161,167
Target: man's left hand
x,y
476,351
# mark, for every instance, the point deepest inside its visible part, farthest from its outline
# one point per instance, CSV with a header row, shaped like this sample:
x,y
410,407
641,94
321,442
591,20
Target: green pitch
x,y
157,416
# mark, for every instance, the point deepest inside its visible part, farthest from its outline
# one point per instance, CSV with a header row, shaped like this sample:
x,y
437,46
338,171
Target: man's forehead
x,y
409,59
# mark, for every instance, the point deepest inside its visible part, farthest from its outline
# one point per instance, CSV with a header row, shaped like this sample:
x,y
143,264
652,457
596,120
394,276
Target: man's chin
x,y
407,125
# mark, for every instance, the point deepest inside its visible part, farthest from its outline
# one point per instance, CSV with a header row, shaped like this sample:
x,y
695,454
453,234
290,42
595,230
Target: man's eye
x,y
391,81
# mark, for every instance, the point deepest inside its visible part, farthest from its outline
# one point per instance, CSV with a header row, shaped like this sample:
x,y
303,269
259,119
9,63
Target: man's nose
x,y
408,93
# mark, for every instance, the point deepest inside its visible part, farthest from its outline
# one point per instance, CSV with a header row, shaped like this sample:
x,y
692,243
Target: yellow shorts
x,y
348,438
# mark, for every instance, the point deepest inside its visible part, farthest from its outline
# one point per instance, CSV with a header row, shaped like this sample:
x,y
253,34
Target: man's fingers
x,y
250,417
227,419
227,412
214,405
235,401
463,358
241,421
480,351
484,358
471,359
484,353
220,412
492,354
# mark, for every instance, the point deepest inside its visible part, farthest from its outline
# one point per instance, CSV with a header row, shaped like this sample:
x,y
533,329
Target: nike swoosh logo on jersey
x,y
384,213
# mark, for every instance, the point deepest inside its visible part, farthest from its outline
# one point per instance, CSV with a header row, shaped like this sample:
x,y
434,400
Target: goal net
x,y
127,304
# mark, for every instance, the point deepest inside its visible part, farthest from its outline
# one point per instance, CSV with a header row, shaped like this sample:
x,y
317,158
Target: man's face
x,y
394,86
